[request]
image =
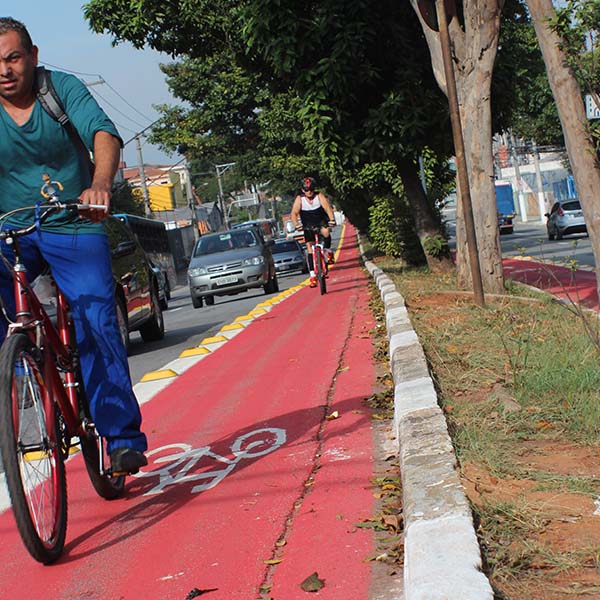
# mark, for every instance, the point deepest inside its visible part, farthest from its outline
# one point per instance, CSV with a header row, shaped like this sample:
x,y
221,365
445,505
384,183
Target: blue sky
x,y
134,81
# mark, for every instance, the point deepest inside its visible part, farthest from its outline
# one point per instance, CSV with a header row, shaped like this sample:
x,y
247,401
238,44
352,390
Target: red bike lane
x,y
576,286
249,483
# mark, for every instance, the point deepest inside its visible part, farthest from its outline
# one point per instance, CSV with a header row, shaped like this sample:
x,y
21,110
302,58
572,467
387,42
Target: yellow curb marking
x,y
232,326
243,318
213,340
258,311
194,352
155,375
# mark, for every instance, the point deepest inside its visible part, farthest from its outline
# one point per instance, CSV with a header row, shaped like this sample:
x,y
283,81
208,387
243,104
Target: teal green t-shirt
x,y
41,145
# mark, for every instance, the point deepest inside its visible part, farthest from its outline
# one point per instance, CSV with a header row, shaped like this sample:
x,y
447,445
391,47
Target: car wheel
x,y
122,323
167,289
559,235
197,301
154,329
275,284
210,300
550,234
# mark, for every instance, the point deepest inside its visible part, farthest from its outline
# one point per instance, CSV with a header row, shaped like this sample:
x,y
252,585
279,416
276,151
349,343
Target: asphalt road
x,y
531,239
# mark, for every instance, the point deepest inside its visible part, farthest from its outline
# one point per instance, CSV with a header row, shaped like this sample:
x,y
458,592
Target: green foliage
x,y
577,23
435,245
391,229
521,96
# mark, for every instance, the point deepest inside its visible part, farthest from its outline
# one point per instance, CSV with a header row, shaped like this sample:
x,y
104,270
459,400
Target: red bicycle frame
x,y
32,319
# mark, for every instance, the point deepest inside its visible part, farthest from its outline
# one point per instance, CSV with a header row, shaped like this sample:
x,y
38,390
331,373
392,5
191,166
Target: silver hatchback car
x,y
565,217
230,262
289,256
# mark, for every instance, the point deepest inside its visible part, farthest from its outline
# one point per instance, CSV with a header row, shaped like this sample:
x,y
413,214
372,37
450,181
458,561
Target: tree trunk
x,y
571,111
474,54
426,224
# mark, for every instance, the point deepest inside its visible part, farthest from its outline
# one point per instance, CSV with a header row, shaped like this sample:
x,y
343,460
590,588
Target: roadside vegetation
x,y
519,382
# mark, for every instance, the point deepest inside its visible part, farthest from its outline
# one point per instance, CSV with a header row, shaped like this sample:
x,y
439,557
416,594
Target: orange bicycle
x,y
44,410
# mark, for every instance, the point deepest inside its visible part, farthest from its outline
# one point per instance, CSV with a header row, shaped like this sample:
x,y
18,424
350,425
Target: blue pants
x,y
81,266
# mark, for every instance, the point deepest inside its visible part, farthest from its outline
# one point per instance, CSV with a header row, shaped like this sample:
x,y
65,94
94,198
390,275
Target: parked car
x,y
289,256
230,262
136,285
564,218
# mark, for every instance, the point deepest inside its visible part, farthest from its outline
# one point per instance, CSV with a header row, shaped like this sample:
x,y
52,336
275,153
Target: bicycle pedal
x,y
123,473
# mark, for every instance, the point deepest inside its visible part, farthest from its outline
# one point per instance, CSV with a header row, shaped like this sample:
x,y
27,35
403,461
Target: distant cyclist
x,y
312,209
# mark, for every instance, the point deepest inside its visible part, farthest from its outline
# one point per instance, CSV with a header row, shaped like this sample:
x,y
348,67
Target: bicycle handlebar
x,y
47,210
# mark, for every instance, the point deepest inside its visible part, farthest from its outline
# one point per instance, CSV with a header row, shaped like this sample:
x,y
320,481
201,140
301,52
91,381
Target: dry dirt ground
x,y
539,520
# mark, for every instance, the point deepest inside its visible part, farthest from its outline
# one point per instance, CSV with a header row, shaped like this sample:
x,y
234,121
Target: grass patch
x,y
519,382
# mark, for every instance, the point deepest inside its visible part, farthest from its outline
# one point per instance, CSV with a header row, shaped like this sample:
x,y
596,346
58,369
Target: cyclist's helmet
x,y
309,184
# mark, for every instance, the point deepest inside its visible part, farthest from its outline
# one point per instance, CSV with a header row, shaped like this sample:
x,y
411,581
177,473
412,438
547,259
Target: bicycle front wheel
x,y
31,451
320,267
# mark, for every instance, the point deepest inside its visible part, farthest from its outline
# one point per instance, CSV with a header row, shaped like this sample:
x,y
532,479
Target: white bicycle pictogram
x,y
183,459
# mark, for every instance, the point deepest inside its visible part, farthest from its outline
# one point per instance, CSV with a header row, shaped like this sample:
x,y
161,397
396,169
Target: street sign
x,y
591,108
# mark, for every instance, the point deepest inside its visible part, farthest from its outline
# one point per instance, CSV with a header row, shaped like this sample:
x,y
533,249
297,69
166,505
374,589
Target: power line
x,y
103,80
115,108
71,71
126,102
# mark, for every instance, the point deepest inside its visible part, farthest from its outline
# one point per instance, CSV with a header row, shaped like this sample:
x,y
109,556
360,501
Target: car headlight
x,y
197,271
255,260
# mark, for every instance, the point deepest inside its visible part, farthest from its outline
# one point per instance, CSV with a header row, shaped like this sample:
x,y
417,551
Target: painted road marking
x,y
181,458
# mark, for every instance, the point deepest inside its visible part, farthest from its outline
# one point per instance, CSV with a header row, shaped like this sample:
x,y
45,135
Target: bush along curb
x,y
442,556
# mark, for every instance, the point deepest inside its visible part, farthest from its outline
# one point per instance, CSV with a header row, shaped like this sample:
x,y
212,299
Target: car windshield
x,y
284,247
572,205
222,242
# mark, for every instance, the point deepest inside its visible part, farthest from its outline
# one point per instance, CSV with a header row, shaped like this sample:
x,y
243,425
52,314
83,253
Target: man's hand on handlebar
x,y
99,197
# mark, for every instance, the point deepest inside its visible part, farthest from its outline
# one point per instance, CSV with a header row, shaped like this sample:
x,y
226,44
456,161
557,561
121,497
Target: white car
x,y
564,218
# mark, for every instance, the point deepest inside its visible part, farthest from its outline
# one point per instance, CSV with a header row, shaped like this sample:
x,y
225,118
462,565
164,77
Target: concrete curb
x,y
442,556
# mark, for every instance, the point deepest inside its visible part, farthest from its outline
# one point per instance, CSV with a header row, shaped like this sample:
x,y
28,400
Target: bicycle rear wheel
x,y
106,486
320,268
31,451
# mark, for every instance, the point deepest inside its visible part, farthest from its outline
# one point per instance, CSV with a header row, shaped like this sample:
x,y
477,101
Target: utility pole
x,y
461,162
521,196
220,169
540,183
191,200
147,208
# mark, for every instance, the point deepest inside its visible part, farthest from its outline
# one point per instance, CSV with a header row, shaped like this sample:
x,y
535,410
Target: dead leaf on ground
x,y
312,583
196,592
334,415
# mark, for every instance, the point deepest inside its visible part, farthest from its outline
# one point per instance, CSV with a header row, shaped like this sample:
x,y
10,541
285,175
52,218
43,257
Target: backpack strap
x,y
52,104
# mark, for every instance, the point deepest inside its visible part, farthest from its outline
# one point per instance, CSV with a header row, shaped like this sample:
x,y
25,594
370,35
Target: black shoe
x,y
127,461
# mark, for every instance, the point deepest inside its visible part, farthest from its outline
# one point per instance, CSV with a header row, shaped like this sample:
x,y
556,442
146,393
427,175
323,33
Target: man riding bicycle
x,y
311,210
33,144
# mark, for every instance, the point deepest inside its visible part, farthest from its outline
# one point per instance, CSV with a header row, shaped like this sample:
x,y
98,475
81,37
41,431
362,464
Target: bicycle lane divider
x,y
169,542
